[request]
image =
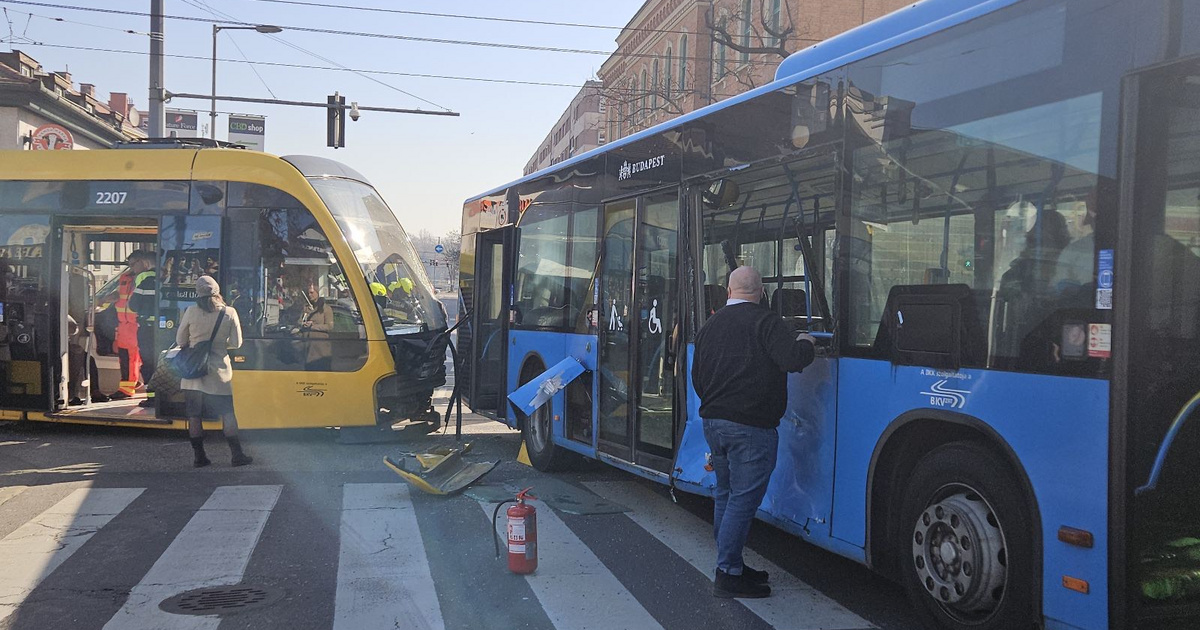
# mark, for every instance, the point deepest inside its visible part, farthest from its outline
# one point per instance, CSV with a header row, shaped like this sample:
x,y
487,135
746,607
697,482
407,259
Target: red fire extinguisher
x,y
522,533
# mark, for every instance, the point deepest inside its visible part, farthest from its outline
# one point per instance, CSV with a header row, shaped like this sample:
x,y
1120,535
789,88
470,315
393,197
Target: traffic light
x,y
335,121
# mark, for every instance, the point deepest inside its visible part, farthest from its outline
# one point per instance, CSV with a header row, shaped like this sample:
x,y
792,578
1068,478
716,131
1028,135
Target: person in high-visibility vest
x,y
126,341
401,297
145,292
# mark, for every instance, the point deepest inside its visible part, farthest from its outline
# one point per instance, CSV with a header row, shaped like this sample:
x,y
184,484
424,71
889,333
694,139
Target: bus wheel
x,y
537,432
966,542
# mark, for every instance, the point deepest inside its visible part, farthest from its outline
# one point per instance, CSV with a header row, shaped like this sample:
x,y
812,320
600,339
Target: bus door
x,y
638,287
1157,378
25,299
490,319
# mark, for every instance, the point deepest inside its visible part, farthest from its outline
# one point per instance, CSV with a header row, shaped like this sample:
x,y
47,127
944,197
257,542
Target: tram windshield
x,y
393,269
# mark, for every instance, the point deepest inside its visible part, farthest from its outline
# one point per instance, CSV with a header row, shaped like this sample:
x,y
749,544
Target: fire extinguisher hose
x,y
495,514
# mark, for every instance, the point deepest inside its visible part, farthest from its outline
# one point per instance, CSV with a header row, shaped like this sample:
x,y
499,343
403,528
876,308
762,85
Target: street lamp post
x,y
217,28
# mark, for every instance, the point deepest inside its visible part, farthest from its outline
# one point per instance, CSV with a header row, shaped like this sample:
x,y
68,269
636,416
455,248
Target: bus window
x,y
998,211
555,263
758,218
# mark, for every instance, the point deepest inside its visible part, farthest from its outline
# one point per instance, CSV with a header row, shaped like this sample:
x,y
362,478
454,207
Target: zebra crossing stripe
x,y
574,587
792,604
383,576
34,550
213,549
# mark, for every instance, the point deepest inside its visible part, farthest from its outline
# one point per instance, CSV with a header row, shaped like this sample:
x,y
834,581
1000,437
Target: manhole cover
x,y
219,600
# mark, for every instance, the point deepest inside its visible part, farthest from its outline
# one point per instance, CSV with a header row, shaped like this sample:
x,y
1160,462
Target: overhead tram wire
x,y
301,66
481,18
306,29
233,41
488,18
297,47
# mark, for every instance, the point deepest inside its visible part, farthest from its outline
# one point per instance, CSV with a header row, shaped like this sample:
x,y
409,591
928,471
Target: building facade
x,y
676,56
32,99
580,128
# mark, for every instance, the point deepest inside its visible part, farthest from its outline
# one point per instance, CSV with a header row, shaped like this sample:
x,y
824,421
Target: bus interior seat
x,y
715,297
936,325
789,302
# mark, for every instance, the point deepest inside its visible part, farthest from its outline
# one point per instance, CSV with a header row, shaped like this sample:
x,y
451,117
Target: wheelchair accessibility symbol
x,y
655,322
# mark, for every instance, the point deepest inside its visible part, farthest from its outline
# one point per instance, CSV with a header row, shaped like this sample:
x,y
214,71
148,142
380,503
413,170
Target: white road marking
x,y
792,604
575,589
213,549
34,550
383,574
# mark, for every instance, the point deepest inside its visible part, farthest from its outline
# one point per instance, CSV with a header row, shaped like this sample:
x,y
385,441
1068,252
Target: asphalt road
x,y
99,526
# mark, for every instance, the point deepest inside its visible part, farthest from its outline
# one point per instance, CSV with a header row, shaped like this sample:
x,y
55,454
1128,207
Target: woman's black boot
x,y
239,458
198,447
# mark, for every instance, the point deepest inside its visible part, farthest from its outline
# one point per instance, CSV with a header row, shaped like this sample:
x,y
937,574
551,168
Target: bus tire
x,y
538,433
965,541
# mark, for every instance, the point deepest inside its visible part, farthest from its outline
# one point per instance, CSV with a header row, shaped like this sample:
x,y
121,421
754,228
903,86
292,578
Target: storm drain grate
x,y
219,600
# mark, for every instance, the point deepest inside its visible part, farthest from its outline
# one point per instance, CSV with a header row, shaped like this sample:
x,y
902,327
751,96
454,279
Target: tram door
x,y
638,305
25,299
489,320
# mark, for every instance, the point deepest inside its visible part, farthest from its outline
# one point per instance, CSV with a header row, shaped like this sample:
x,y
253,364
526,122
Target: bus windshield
x,y
399,286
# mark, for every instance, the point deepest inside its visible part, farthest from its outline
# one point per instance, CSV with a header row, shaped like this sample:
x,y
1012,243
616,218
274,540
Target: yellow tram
x,y
274,231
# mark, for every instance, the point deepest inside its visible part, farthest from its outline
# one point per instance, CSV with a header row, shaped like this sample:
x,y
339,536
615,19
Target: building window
x,y
748,14
602,105
654,90
683,53
667,84
600,137
776,8
719,51
643,101
634,97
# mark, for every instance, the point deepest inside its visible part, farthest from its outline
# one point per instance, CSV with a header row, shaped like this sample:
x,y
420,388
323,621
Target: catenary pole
x,y
157,127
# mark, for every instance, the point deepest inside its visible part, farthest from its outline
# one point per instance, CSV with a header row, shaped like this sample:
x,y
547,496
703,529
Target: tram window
x,y
285,281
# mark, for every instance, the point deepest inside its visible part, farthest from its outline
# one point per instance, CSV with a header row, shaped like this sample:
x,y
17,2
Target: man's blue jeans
x,y
743,458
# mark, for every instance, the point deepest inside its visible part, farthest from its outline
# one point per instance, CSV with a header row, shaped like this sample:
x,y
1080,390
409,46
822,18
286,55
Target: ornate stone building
x,y
676,56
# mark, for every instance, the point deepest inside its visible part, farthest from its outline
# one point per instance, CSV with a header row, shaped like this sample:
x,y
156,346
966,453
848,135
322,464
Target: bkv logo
x,y
625,172
311,391
942,396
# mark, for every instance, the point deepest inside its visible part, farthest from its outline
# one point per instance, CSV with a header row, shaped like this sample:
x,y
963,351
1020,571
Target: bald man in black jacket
x,y
743,355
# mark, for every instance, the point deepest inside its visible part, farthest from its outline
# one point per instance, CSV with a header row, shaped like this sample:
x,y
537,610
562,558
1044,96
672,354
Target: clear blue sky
x,y
425,166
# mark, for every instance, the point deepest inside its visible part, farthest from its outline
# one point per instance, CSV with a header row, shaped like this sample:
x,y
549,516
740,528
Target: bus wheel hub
x,y
959,553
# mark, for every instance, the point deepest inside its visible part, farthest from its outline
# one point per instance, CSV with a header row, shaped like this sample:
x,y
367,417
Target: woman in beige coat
x,y
212,392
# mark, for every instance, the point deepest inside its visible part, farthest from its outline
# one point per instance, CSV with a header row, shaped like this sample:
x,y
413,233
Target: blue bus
x,y
991,211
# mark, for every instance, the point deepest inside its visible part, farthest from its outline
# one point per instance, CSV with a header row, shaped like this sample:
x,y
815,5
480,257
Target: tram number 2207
x,y
110,198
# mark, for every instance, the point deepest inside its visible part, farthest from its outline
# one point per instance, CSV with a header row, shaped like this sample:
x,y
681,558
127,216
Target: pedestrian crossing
x,y
393,566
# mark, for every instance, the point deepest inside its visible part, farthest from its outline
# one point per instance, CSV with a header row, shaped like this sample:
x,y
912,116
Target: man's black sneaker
x,y
729,586
754,575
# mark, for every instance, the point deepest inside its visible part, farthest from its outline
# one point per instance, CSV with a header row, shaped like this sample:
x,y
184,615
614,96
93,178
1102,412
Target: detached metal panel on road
x,y
38,547
212,550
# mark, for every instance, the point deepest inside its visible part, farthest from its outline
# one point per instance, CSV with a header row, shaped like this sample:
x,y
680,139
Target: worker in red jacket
x,y
126,342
